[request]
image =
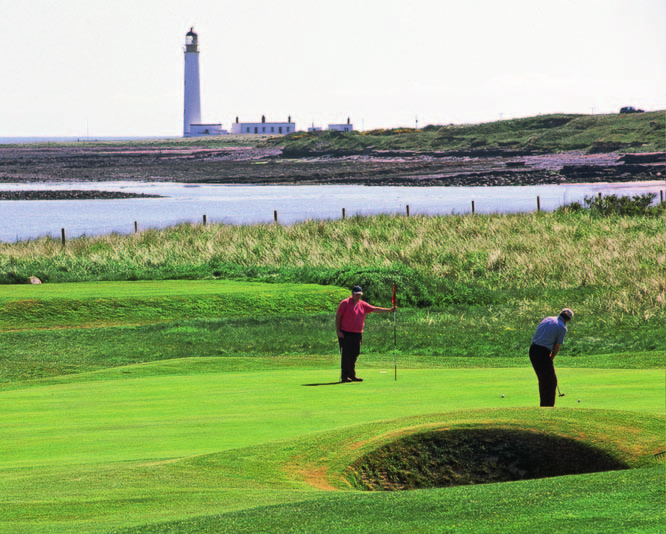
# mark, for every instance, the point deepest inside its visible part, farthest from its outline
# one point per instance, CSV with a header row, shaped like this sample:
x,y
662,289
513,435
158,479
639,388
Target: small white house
x,y
263,127
349,127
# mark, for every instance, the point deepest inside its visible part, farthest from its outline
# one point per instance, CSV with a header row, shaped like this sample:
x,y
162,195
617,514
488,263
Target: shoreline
x,y
269,166
59,194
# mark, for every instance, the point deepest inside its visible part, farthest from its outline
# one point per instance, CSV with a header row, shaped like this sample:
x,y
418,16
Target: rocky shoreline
x,y
270,166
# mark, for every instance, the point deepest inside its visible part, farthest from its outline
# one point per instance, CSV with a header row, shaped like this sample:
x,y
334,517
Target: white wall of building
x,y
263,128
341,127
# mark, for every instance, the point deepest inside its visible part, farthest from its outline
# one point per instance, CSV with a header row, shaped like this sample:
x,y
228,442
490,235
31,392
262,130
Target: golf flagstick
x,y
395,339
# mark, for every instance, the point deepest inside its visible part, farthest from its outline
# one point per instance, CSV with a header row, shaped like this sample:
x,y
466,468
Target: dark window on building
x,y
280,129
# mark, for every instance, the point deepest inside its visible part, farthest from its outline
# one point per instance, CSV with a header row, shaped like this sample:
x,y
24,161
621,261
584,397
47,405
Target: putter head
x,y
561,395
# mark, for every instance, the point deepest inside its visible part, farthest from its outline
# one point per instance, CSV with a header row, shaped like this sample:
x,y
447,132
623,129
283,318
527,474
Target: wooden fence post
x,y
204,219
62,236
538,203
473,211
343,213
407,210
136,227
275,215
661,195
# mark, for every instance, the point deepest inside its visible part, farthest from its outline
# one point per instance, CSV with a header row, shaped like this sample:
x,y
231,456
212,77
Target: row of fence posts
x,y
344,214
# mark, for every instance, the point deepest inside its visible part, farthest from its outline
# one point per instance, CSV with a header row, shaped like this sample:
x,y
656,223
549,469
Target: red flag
x,y
393,297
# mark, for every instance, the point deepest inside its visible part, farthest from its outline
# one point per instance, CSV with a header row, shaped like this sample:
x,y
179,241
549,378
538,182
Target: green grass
x,y
618,263
199,404
471,338
107,303
569,504
643,132
94,456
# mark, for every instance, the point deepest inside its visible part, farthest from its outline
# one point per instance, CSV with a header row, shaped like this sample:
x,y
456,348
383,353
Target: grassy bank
x,y
617,264
470,291
642,132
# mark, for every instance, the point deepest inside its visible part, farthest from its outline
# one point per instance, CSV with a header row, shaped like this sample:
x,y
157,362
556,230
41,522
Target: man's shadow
x,y
325,384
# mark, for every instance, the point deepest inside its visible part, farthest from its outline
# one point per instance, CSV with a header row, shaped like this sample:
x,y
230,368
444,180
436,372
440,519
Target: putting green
x,y
177,416
97,455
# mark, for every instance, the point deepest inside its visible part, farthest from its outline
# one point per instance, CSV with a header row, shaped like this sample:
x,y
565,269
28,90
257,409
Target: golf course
x,y
186,380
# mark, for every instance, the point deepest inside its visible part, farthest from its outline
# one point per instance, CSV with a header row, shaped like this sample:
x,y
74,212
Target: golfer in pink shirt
x,y
349,324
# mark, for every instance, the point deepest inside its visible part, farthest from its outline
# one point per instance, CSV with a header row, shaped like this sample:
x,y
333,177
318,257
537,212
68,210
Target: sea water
x,y
243,204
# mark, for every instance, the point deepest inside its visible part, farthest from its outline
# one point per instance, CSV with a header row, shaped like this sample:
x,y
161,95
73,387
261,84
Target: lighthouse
x,y
192,103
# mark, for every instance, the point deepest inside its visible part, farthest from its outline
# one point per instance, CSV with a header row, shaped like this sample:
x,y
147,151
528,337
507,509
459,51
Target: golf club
x,y
559,393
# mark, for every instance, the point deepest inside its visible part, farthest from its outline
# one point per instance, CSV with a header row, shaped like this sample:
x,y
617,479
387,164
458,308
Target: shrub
x,y
612,205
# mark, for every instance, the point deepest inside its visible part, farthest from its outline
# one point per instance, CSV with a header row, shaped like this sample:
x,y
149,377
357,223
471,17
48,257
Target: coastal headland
x,y
562,149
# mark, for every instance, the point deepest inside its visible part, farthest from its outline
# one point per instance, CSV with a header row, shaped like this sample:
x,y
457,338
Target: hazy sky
x,y
115,67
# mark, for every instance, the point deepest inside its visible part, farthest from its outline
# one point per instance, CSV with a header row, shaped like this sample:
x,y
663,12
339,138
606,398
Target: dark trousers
x,y
350,348
545,371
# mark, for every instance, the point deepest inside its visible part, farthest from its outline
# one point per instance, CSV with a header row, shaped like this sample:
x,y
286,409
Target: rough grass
x,y
642,132
434,260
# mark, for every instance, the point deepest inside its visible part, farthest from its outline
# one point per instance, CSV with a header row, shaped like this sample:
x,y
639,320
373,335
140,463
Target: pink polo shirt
x,y
352,316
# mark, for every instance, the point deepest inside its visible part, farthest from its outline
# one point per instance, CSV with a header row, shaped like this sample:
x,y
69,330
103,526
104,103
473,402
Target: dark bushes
x,y
612,205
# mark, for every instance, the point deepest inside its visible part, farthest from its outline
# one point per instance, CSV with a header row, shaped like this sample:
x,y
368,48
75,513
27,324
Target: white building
x,y
349,127
263,127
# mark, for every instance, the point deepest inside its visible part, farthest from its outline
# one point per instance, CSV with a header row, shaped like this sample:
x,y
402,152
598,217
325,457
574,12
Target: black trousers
x,y
350,348
545,371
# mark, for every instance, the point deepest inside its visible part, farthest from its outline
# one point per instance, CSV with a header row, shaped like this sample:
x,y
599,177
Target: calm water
x,y
255,204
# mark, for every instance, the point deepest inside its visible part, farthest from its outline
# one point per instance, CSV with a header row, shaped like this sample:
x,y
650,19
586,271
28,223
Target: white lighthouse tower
x,y
192,104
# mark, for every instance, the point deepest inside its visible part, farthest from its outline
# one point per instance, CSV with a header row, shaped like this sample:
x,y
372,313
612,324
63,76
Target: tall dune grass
x,y
618,262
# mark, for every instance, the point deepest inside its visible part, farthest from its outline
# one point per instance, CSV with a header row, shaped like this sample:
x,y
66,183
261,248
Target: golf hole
x,y
474,456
